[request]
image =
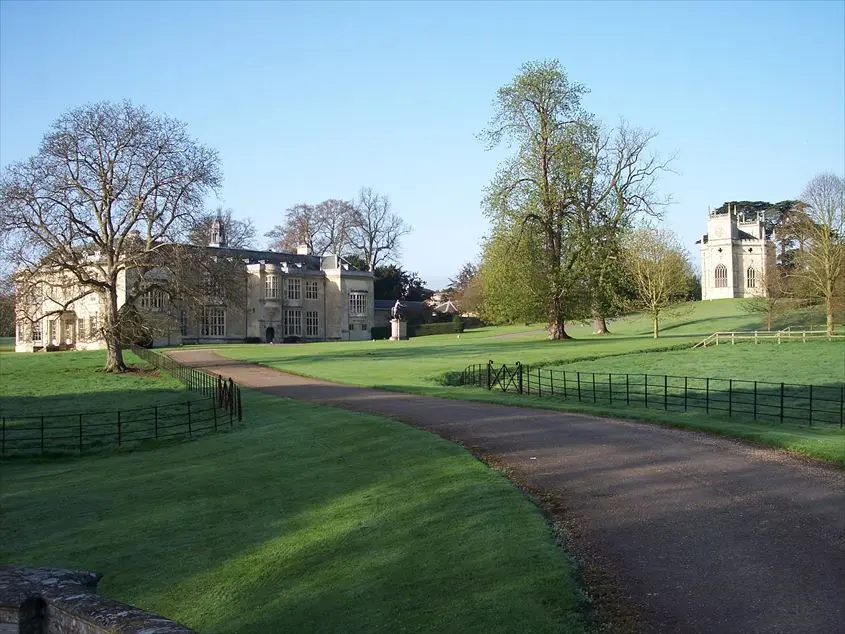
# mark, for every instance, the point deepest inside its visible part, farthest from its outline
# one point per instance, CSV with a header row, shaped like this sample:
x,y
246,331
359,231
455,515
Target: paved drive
x,y
701,534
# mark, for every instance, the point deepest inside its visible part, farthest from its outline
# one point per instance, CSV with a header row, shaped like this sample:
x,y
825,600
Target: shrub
x,y
458,323
442,328
291,339
252,339
380,332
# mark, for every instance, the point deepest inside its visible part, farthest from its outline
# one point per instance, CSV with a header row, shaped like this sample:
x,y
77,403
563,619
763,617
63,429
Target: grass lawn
x,y
817,362
60,402
307,519
422,365
59,382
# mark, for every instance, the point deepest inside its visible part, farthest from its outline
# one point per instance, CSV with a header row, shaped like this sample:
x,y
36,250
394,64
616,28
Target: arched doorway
x,y
269,334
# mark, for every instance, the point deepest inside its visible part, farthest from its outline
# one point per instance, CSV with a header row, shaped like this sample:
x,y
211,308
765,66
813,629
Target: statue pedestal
x,y
398,330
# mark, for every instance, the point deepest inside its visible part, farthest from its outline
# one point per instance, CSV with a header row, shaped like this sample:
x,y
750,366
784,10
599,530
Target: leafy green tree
x,y
821,266
539,114
513,284
659,271
392,282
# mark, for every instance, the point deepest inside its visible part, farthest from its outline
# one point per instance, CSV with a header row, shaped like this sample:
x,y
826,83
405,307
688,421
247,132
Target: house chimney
x,y
303,249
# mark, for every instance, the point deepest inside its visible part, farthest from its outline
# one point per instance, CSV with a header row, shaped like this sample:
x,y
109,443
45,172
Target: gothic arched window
x,y
751,278
721,276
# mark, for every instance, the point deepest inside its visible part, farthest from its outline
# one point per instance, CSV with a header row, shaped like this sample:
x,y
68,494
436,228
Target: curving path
x,y
699,534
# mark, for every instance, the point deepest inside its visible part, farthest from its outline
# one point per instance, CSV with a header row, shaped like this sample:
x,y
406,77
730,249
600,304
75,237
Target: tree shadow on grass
x,y
318,519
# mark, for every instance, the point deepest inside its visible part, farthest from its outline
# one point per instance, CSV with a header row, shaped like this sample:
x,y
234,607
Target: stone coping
x,y
68,602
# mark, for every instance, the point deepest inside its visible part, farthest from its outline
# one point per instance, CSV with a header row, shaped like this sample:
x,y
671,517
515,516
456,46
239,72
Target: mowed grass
x,y
305,519
67,382
427,365
422,362
817,362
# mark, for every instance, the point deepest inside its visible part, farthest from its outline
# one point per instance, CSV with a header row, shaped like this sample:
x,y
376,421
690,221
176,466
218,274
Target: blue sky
x,y
308,101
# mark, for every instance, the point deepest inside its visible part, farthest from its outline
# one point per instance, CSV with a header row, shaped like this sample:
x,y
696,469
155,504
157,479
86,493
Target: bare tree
x,y
322,228
821,265
109,193
375,231
615,182
659,271
335,219
239,234
774,295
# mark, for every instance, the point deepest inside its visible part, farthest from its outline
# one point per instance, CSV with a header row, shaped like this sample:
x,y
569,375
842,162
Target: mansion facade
x,y
735,253
286,295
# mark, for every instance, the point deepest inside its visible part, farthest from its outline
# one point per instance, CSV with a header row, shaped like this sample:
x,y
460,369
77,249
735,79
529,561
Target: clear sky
x,y
308,101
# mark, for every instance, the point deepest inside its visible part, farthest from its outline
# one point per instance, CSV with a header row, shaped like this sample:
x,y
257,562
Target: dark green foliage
x,y
393,282
458,323
442,328
380,332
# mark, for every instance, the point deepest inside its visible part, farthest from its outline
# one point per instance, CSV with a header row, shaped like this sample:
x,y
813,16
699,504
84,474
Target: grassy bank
x,y
307,519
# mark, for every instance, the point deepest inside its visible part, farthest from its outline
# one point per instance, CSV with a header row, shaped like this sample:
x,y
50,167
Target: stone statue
x,y
397,311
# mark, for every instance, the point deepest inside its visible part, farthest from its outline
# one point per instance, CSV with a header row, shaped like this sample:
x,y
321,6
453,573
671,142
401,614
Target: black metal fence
x,y
726,398
226,394
77,432
85,431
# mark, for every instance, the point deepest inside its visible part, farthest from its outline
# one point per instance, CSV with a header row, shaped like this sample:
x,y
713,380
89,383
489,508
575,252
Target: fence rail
x,y
726,398
225,392
79,432
757,336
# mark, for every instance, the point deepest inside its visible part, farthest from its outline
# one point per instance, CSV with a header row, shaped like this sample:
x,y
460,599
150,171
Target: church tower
x,y
217,237
735,253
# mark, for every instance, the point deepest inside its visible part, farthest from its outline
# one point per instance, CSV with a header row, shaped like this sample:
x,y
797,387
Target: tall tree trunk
x,y
600,324
828,308
655,326
111,332
557,325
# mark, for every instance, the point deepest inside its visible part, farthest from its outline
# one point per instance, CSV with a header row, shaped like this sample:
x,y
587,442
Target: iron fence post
x,y
594,387
842,407
519,379
781,402
755,400
685,392
565,392
578,376
539,384
811,405
490,374
552,381
610,386
730,397
707,395
627,389
645,380
665,392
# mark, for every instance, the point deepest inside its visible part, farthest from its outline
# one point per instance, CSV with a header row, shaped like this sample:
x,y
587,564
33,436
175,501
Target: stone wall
x,y
57,601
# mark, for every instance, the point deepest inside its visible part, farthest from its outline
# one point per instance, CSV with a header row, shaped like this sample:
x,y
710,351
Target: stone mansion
x,y
311,297
735,253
